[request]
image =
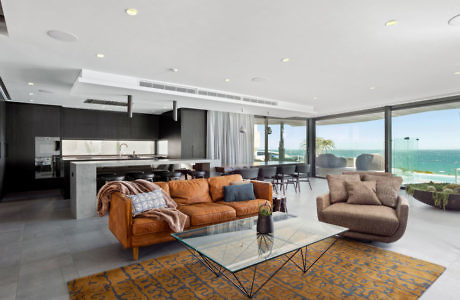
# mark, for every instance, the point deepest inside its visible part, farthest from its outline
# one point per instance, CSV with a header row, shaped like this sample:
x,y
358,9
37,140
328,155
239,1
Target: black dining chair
x,y
284,177
250,173
198,174
302,174
268,174
173,176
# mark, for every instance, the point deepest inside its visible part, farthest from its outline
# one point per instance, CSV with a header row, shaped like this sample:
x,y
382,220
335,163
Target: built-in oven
x,y
48,162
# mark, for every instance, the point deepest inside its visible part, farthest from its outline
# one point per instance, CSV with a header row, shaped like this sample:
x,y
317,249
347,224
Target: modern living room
x,y
229,150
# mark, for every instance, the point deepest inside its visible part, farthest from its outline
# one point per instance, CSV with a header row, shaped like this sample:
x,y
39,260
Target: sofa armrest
x,y
322,202
263,190
121,219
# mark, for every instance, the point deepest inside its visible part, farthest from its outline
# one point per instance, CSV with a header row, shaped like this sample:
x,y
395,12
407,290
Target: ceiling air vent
x,y
203,92
106,102
168,87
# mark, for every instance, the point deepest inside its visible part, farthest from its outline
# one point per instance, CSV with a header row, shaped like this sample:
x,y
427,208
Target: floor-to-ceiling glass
x,y
286,141
351,143
426,143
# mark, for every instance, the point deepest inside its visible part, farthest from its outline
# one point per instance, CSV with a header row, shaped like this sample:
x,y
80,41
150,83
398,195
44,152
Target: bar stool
x,y
250,173
268,174
283,176
100,181
173,176
134,175
198,174
108,178
302,174
160,175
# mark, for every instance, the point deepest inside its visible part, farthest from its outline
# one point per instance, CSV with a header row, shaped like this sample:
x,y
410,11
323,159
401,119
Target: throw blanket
x,y
171,215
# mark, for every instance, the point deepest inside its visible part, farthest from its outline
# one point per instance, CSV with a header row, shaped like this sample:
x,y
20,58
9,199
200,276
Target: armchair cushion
x,y
372,219
362,192
387,188
337,186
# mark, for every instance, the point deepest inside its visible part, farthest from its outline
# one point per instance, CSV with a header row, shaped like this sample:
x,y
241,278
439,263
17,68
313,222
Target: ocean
x,y
442,162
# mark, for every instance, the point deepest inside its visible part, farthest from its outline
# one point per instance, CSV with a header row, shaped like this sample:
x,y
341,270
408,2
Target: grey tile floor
x,y
42,247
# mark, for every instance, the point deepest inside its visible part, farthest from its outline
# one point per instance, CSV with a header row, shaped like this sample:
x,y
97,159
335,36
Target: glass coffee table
x,y
229,248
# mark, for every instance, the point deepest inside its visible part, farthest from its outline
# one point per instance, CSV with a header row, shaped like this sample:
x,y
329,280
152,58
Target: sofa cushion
x,y
337,187
362,192
240,192
371,219
387,188
208,213
216,185
189,191
245,208
163,185
143,225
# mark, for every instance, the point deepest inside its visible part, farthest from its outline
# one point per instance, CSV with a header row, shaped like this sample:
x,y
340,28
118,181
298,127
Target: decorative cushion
x,y
189,191
387,188
362,192
147,201
240,192
371,219
337,187
362,173
216,185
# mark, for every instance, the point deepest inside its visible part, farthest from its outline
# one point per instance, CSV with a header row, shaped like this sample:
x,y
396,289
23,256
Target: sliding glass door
x,y
351,143
426,143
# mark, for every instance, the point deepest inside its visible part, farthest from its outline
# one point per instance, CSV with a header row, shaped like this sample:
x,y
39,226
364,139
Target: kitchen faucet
x,y
119,148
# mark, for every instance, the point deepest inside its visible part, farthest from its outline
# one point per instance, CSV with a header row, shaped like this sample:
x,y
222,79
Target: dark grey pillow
x,y
240,192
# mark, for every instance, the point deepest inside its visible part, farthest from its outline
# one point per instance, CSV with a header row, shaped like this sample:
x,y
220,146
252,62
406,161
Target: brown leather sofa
x,y
200,199
366,222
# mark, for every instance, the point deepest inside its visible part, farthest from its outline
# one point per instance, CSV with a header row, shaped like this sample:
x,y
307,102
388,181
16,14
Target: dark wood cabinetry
x,y
93,124
186,136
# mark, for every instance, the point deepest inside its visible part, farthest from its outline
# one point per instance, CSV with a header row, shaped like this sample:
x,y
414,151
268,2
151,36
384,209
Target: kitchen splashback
x,y
104,147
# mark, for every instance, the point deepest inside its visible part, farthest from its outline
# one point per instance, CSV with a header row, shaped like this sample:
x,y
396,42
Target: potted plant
x,y
264,220
441,195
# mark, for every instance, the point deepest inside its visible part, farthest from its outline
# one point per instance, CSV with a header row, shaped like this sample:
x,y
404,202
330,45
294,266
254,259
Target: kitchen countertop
x,y
110,157
139,162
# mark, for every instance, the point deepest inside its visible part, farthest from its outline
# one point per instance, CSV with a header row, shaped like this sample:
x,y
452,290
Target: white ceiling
x,y
338,49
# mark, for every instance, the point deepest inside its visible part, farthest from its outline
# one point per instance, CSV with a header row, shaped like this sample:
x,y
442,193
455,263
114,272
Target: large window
x,y
286,141
352,143
426,143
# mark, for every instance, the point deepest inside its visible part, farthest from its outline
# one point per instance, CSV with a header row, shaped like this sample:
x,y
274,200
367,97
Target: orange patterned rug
x,y
348,270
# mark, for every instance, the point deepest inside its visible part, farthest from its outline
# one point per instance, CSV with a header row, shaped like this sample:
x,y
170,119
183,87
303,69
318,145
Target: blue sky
x,y
435,129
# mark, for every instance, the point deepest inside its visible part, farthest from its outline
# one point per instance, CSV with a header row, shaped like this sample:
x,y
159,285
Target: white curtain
x,y
226,142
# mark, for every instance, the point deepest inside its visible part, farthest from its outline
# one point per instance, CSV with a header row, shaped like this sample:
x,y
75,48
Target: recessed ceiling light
x,y
285,60
30,83
454,21
100,55
315,98
31,100
131,11
258,79
174,70
457,73
62,36
391,23
227,79
31,94
372,88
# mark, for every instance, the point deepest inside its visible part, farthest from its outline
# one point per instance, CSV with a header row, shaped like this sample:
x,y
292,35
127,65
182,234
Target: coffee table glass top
x,y
235,245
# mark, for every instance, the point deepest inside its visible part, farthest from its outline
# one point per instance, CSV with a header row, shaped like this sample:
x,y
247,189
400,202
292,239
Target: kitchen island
x,y
83,178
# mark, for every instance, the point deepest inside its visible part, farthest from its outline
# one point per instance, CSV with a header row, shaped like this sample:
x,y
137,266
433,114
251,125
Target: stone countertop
x,y
139,162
